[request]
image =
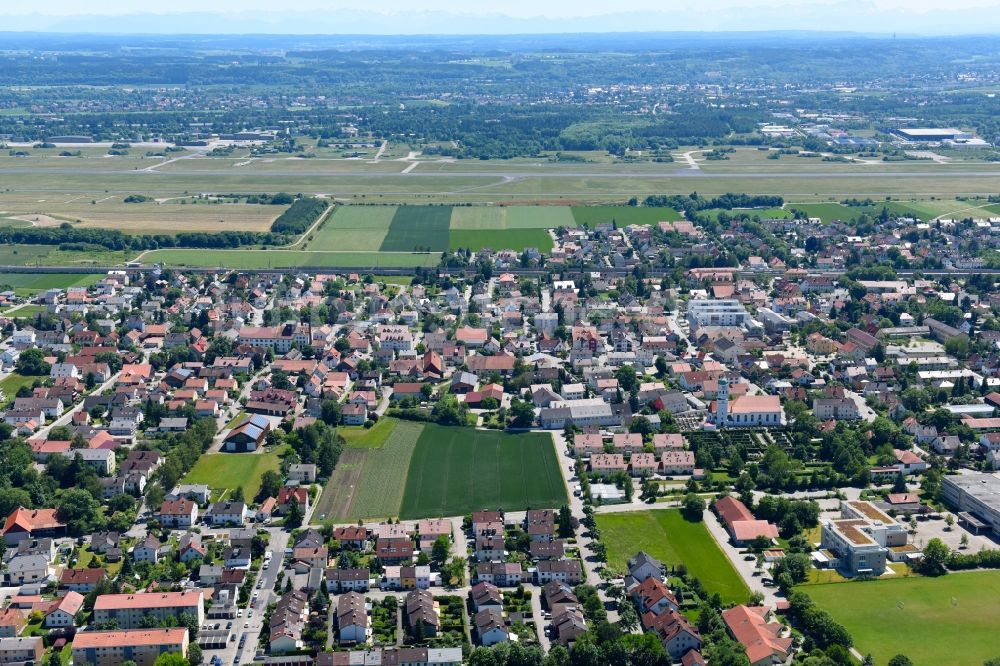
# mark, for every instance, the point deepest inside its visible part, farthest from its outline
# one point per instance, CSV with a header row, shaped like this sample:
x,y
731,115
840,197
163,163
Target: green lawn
x,y
418,228
360,437
222,471
623,215
505,239
12,382
455,471
667,536
371,473
946,620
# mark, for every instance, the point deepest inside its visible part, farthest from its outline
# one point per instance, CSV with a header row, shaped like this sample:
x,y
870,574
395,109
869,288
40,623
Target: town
x,y
508,459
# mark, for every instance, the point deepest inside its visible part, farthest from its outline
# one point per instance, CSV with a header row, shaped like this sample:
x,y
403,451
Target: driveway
x,y
745,568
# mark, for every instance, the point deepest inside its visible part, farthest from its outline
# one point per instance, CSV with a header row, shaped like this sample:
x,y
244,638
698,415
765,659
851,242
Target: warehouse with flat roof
x,y
975,497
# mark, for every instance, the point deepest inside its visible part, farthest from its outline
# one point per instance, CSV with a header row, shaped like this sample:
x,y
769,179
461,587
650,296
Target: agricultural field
x,y
420,228
667,536
27,284
455,471
590,216
227,471
250,259
403,228
497,240
353,228
371,474
895,616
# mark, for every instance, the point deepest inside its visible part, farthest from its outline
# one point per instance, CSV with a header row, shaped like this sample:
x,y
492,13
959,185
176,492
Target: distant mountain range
x,y
856,17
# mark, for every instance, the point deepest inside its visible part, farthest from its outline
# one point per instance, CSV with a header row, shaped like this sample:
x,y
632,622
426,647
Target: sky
x,y
921,17
513,8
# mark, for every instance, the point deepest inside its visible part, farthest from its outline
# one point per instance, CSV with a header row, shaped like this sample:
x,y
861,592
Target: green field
x,y
360,437
371,473
623,215
27,284
539,217
250,259
12,382
227,471
946,620
50,255
418,227
353,228
455,471
487,218
667,536
516,239
828,212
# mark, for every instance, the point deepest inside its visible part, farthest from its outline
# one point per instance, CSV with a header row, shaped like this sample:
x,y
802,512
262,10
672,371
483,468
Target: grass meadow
x,y
667,536
919,617
455,471
227,471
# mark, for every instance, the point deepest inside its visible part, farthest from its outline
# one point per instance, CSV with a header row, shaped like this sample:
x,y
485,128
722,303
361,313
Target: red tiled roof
x,y
30,520
131,637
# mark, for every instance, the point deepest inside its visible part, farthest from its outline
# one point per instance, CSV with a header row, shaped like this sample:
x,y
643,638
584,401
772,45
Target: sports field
x,y
945,620
227,471
667,536
369,479
623,216
418,228
455,471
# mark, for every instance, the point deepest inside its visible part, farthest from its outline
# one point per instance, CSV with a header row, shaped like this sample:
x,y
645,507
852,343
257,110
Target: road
x,y
245,655
67,416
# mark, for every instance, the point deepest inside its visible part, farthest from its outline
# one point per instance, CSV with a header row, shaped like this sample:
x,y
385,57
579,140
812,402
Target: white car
x,y
246,625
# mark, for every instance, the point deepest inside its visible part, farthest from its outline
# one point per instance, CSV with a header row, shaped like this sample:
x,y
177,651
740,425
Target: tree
x,y
522,414
154,496
626,377
441,550
294,516
78,509
171,659
270,485
565,521
11,498
330,412
194,654
31,362
900,660
949,520
693,507
936,554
